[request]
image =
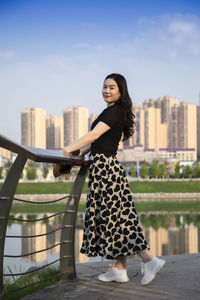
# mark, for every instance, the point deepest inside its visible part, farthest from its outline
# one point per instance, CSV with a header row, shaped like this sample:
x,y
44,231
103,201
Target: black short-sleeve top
x,y
108,142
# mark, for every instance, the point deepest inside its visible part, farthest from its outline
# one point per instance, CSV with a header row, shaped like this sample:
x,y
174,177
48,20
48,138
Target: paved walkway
x,y
178,280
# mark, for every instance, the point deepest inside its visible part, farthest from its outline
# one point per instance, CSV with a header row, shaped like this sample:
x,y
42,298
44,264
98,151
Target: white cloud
x,y
182,27
82,45
170,34
172,54
7,54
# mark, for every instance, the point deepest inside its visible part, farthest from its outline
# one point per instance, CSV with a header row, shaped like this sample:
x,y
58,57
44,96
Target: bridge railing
x,y
67,240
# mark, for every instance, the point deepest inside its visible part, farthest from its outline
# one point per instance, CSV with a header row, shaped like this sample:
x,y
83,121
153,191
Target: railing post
x,y
6,197
67,257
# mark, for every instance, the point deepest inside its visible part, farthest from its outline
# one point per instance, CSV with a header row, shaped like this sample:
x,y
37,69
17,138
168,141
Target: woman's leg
x,y
121,262
145,255
150,267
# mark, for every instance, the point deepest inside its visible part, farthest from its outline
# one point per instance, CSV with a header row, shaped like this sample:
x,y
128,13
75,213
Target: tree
x,y
8,164
187,171
45,172
1,171
31,173
162,170
177,170
196,170
144,171
154,170
132,171
7,171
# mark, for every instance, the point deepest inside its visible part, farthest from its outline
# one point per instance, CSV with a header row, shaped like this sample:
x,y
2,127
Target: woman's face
x,y
110,91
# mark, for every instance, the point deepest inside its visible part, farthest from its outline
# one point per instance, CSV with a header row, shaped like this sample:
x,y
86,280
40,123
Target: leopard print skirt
x,y
111,225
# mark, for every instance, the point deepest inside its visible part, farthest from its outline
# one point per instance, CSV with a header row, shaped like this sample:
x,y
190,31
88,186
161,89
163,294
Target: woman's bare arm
x,y
85,150
88,138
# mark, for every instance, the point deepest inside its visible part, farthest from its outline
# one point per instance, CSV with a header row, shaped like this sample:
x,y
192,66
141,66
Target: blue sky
x,y
55,54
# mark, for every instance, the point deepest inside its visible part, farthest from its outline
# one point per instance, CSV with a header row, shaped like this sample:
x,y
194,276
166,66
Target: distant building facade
x,y
75,124
163,123
54,132
5,156
33,127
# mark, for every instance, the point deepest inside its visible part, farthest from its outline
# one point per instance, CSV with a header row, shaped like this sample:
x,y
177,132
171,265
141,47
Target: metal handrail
x,y
41,202
35,220
33,236
67,257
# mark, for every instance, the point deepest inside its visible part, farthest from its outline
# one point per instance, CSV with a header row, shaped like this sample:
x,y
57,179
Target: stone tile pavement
x,y
178,280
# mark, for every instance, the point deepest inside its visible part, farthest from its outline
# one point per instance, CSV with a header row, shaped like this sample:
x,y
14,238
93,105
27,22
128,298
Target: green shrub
x,y
1,171
7,171
187,171
132,170
144,171
196,171
177,170
154,169
162,170
45,172
31,173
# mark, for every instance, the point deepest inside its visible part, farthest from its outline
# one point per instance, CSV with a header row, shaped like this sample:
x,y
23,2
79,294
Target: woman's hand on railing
x,y
85,150
69,154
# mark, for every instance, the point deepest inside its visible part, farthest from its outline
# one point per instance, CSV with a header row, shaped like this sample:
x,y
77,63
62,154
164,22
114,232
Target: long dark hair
x,y
126,103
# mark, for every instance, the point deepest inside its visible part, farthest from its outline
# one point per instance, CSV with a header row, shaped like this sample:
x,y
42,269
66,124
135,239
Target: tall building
x,y
54,132
166,105
75,123
5,156
150,132
155,132
92,117
33,127
139,112
187,126
5,153
173,128
164,124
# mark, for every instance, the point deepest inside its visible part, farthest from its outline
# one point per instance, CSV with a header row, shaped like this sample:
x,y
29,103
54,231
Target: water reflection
x,y
166,234
172,234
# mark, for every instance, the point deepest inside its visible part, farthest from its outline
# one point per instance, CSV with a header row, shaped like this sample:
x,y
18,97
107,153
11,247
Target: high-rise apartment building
x,y
68,117
155,133
173,128
187,126
150,132
54,132
75,124
5,153
33,127
163,123
92,117
165,104
139,136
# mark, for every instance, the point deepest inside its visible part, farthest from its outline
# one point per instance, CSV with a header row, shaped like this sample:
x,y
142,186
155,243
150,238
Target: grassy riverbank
x,y
30,279
136,187
190,206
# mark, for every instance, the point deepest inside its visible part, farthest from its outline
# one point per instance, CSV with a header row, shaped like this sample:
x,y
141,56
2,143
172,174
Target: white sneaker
x,y
150,269
114,274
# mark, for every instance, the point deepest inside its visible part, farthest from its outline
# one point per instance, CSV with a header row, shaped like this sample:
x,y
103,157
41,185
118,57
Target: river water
x,y
167,234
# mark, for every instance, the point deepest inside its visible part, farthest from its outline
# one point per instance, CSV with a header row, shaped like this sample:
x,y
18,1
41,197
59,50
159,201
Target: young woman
x,y
111,227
